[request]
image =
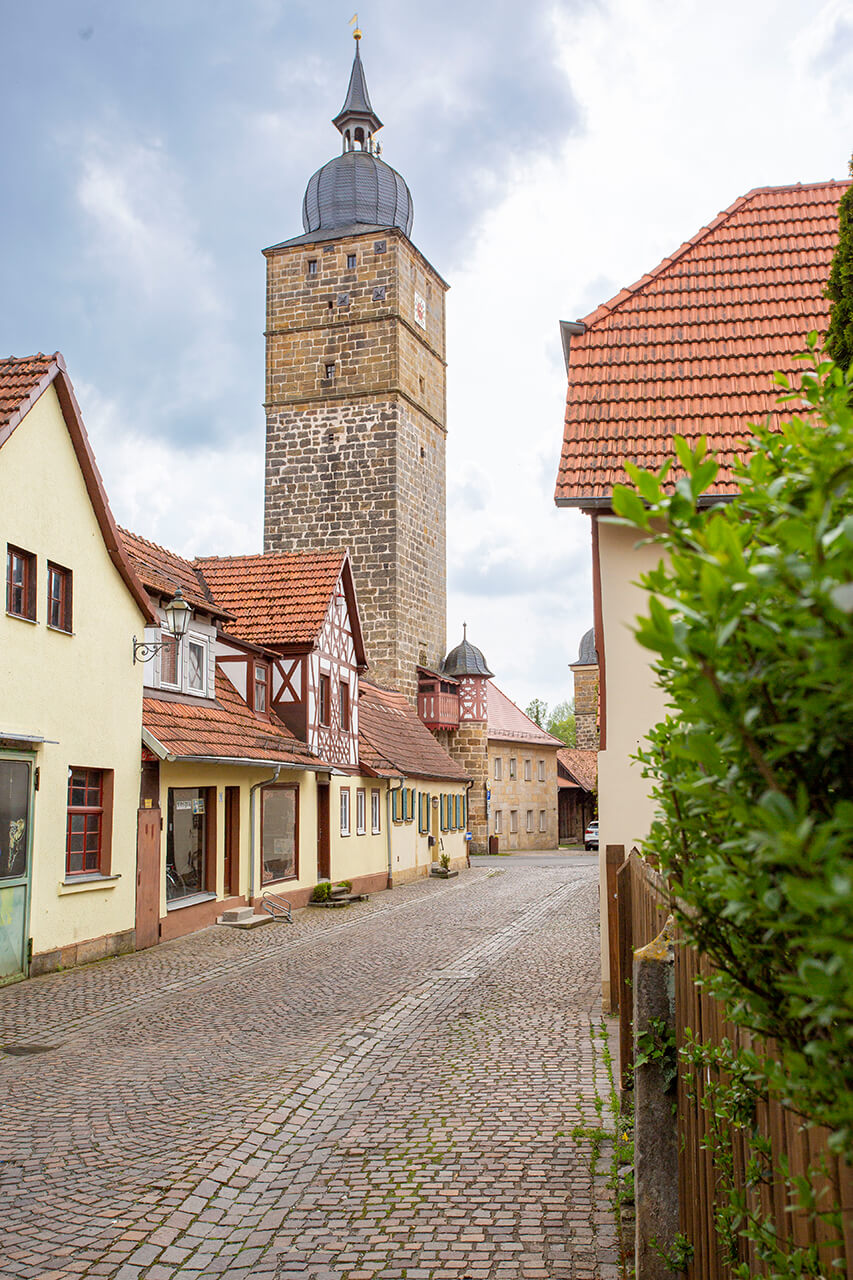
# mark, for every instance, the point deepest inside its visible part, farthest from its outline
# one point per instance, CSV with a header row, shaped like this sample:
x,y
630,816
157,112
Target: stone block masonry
x,y
356,407
586,706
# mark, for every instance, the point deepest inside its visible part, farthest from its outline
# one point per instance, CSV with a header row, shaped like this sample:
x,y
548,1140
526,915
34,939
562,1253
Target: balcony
x,y
438,710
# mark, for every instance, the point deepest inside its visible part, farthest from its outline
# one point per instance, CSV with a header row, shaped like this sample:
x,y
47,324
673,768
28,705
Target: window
x,y
423,812
499,821
170,662
499,768
410,804
375,811
260,686
350,261
279,832
58,597
343,693
325,699
197,666
88,821
360,811
542,820
513,820
397,804
512,768
345,811
312,266
541,770
528,770
20,583
330,368
189,836
529,819
442,811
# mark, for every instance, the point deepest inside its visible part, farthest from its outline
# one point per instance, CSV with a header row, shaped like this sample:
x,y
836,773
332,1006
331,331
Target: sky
x,y
555,153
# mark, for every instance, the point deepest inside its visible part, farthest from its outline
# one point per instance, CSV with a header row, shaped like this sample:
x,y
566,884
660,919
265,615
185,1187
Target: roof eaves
x,y
568,330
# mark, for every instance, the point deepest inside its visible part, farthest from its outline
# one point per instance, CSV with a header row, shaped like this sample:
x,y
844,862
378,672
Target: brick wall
x,y
356,407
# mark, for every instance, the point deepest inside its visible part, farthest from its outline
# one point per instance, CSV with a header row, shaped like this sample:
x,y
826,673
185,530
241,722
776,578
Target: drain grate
x,y
22,1050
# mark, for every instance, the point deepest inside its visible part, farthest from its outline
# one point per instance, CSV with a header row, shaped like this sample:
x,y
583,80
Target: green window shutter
x,y
410,804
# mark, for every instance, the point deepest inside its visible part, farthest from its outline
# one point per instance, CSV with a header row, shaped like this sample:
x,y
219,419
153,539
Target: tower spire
x,y
357,121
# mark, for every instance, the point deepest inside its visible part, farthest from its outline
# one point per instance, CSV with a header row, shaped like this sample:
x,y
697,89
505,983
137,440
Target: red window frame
x,y
87,828
59,597
343,696
325,700
20,592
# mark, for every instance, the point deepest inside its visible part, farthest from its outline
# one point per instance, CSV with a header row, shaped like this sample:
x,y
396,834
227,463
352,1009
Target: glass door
x,y
16,783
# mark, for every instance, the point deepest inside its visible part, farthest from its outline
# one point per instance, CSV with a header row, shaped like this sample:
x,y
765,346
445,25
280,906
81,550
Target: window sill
x,y
268,884
20,617
192,900
92,880
62,631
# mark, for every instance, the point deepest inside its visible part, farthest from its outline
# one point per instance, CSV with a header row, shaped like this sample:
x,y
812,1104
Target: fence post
x,y
624,914
655,1124
614,856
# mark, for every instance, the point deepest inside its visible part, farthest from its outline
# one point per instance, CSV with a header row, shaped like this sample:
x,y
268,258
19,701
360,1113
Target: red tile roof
x,y
582,765
508,723
22,381
392,740
163,571
275,599
691,348
227,730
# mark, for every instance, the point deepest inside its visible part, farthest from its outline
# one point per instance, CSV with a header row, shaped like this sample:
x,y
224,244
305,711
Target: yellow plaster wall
x,y
82,690
634,702
355,855
411,854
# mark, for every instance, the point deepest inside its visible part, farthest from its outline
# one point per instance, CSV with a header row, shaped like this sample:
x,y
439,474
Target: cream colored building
x,y
70,693
522,779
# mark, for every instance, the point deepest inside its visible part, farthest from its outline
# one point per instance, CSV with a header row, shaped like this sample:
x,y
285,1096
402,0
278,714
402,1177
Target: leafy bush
x,y
751,619
322,892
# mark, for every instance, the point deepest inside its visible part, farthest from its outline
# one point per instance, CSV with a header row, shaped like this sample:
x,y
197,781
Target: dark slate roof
x,y
588,654
356,188
465,660
357,104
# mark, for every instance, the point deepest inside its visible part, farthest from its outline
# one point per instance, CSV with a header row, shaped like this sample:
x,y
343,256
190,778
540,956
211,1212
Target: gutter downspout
x,y
388,824
264,782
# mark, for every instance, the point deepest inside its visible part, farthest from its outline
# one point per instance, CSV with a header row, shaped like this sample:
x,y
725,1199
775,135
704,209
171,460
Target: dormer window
x,y
170,661
260,686
196,665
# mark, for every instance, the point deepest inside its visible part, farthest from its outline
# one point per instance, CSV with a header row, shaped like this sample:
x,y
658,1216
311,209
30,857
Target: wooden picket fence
x,y
642,907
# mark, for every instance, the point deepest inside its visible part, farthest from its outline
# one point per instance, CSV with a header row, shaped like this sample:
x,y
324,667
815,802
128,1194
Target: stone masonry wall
x,y
355,403
469,745
522,795
586,706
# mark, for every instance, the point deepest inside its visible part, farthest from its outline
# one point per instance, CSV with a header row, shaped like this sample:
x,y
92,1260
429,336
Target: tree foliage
x,y
538,711
839,336
560,722
751,619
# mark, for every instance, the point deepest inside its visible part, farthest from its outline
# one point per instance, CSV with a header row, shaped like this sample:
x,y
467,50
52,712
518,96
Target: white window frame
x,y
345,811
165,636
499,771
541,770
529,820
375,811
513,768
360,811
513,821
528,769
543,823
499,822
203,643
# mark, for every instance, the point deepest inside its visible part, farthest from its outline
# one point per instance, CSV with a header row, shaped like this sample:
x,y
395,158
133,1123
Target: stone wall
x,y
356,405
520,795
469,745
586,706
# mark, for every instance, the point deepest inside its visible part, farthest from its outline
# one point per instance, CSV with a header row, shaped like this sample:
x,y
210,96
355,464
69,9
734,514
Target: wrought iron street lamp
x,y
178,614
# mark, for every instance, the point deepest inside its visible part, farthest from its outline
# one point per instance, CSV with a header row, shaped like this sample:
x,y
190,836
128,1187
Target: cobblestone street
x,y
386,1091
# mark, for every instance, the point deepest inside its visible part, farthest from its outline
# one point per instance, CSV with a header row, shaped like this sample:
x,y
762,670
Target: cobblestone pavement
x,y
388,1095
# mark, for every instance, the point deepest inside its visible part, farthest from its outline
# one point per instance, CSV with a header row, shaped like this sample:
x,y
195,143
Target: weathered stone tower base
x,y
469,746
586,706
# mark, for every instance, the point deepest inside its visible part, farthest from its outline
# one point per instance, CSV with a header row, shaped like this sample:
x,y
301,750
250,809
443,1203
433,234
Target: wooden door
x,y
148,878
232,841
324,850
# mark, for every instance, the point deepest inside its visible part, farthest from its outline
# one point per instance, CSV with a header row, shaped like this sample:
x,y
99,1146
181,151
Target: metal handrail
x,y
277,907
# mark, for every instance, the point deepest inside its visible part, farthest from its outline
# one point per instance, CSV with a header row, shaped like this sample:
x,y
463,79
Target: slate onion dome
x,y
465,659
587,654
357,187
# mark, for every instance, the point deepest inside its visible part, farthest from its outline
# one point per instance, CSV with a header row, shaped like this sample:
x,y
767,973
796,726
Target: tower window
x,y
422,385
350,262
312,266
330,371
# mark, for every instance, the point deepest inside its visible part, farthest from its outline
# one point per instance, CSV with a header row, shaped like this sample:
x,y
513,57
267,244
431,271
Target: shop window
x,y
279,832
345,827
20,583
375,811
189,838
528,771
513,772
88,822
499,768
58,597
343,694
260,685
513,821
325,700
360,811
197,666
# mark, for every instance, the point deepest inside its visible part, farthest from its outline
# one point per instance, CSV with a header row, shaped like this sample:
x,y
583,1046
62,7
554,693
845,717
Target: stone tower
x,y
469,744
355,396
585,671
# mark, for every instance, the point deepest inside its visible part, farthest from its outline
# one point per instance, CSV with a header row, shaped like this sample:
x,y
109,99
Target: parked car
x,y
590,836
